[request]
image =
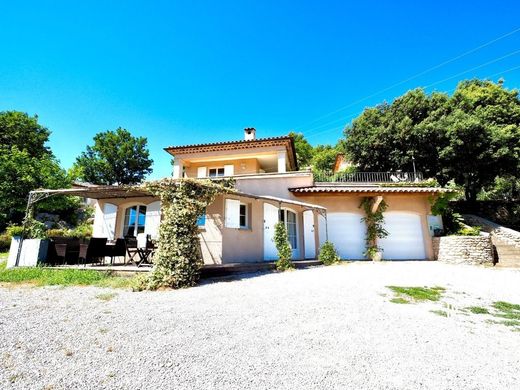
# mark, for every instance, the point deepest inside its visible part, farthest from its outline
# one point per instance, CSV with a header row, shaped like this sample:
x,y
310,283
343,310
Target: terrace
x,y
331,178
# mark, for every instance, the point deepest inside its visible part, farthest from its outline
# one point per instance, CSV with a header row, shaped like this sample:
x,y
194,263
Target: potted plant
x,y
34,244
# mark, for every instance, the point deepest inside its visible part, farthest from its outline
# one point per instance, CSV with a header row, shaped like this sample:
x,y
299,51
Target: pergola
x,y
125,192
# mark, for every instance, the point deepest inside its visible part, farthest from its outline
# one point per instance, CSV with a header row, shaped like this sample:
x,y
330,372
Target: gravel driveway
x,y
332,327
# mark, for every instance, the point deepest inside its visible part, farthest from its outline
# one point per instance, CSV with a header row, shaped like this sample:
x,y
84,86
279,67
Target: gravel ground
x,y
332,327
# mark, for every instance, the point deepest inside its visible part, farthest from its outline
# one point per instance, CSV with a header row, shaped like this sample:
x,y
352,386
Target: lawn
x,y
40,276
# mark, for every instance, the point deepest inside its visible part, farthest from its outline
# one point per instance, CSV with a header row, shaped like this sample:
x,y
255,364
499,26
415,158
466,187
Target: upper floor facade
x,y
250,156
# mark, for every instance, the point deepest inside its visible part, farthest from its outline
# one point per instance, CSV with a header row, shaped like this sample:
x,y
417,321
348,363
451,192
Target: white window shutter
x,y
229,170
97,230
201,172
153,219
109,220
232,219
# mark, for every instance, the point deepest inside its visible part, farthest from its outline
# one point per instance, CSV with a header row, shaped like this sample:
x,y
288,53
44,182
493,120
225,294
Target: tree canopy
x,y
26,164
471,137
116,157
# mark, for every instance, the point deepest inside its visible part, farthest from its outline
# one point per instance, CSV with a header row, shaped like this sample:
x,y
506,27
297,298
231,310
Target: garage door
x,y
405,239
347,232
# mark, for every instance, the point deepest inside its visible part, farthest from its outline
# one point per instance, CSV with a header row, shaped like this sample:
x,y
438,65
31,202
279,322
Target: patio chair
x,y
131,248
63,250
117,250
95,250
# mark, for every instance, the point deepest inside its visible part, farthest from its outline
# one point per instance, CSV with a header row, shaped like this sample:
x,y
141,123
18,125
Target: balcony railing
x,y
368,177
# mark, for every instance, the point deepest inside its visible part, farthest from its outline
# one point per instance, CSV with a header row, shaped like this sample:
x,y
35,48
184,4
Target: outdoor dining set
x,y
129,250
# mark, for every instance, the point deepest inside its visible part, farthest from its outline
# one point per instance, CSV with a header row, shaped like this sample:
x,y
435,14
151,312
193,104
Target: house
x,y
239,227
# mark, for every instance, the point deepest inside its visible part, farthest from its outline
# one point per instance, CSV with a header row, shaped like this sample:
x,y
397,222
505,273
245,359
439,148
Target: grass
x,y
510,311
478,310
40,276
106,296
419,293
441,313
399,300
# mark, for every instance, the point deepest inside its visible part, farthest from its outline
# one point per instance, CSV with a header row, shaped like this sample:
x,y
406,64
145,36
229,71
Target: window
x,y
289,219
201,220
236,214
243,216
215,172
135,218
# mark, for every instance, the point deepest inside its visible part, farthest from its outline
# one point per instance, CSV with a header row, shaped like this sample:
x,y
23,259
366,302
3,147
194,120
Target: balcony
x,y
368,177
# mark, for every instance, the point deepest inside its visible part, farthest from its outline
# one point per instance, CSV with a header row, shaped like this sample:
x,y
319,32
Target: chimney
x,y
249,133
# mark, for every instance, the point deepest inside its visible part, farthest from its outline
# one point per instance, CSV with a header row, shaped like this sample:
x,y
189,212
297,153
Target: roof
x,y
286,141
367,189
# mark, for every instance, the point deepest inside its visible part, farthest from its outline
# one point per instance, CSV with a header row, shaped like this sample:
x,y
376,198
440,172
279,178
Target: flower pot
x,y
34,251
378,256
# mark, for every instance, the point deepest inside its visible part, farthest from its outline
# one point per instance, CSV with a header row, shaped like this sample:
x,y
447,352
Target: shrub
x,y
5,242
281,241
81,231
56,233
14,230
328,254
469,231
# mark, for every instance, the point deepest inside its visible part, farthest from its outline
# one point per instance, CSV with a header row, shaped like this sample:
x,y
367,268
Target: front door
x,y
270,219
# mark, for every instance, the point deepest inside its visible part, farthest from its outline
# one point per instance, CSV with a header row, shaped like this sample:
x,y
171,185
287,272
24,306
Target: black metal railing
x,y
368,177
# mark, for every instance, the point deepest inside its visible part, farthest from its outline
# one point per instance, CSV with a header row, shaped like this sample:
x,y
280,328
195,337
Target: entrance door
x,y
270,219
308,234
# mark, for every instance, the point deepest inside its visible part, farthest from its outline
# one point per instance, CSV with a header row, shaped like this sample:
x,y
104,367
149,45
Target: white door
x,y
347,232
308,234
153,219
405,237
270,219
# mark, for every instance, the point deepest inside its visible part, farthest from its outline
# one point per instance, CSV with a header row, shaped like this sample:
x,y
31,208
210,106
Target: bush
x,y
469,231
328,254
281,241
14,230
81,231
5,242
56,233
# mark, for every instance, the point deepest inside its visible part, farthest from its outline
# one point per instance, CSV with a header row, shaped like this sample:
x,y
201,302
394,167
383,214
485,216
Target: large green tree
x,y
116,157
26,163
471,137
304,150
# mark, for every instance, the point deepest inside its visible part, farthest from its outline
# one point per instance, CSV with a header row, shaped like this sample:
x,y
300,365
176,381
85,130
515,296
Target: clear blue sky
x,y
188,72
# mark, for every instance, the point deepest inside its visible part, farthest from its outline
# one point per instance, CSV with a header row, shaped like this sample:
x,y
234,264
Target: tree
x,y
324,158
23,131
471,137
26,164
115,158
304,150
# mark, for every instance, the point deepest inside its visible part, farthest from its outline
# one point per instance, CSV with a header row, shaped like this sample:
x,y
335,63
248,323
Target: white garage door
x,y
405,238
347,232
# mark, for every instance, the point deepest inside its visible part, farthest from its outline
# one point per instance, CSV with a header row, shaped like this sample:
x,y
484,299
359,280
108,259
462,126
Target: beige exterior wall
x,y
244,245
241,167
409,203
122,204
276,185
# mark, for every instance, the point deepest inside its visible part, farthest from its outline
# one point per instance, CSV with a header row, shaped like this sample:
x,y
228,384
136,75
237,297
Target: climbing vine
x,y
178,259
281,241
374,221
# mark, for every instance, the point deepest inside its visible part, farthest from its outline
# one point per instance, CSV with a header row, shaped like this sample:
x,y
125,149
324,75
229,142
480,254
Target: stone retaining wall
x,y
509,236
463,249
